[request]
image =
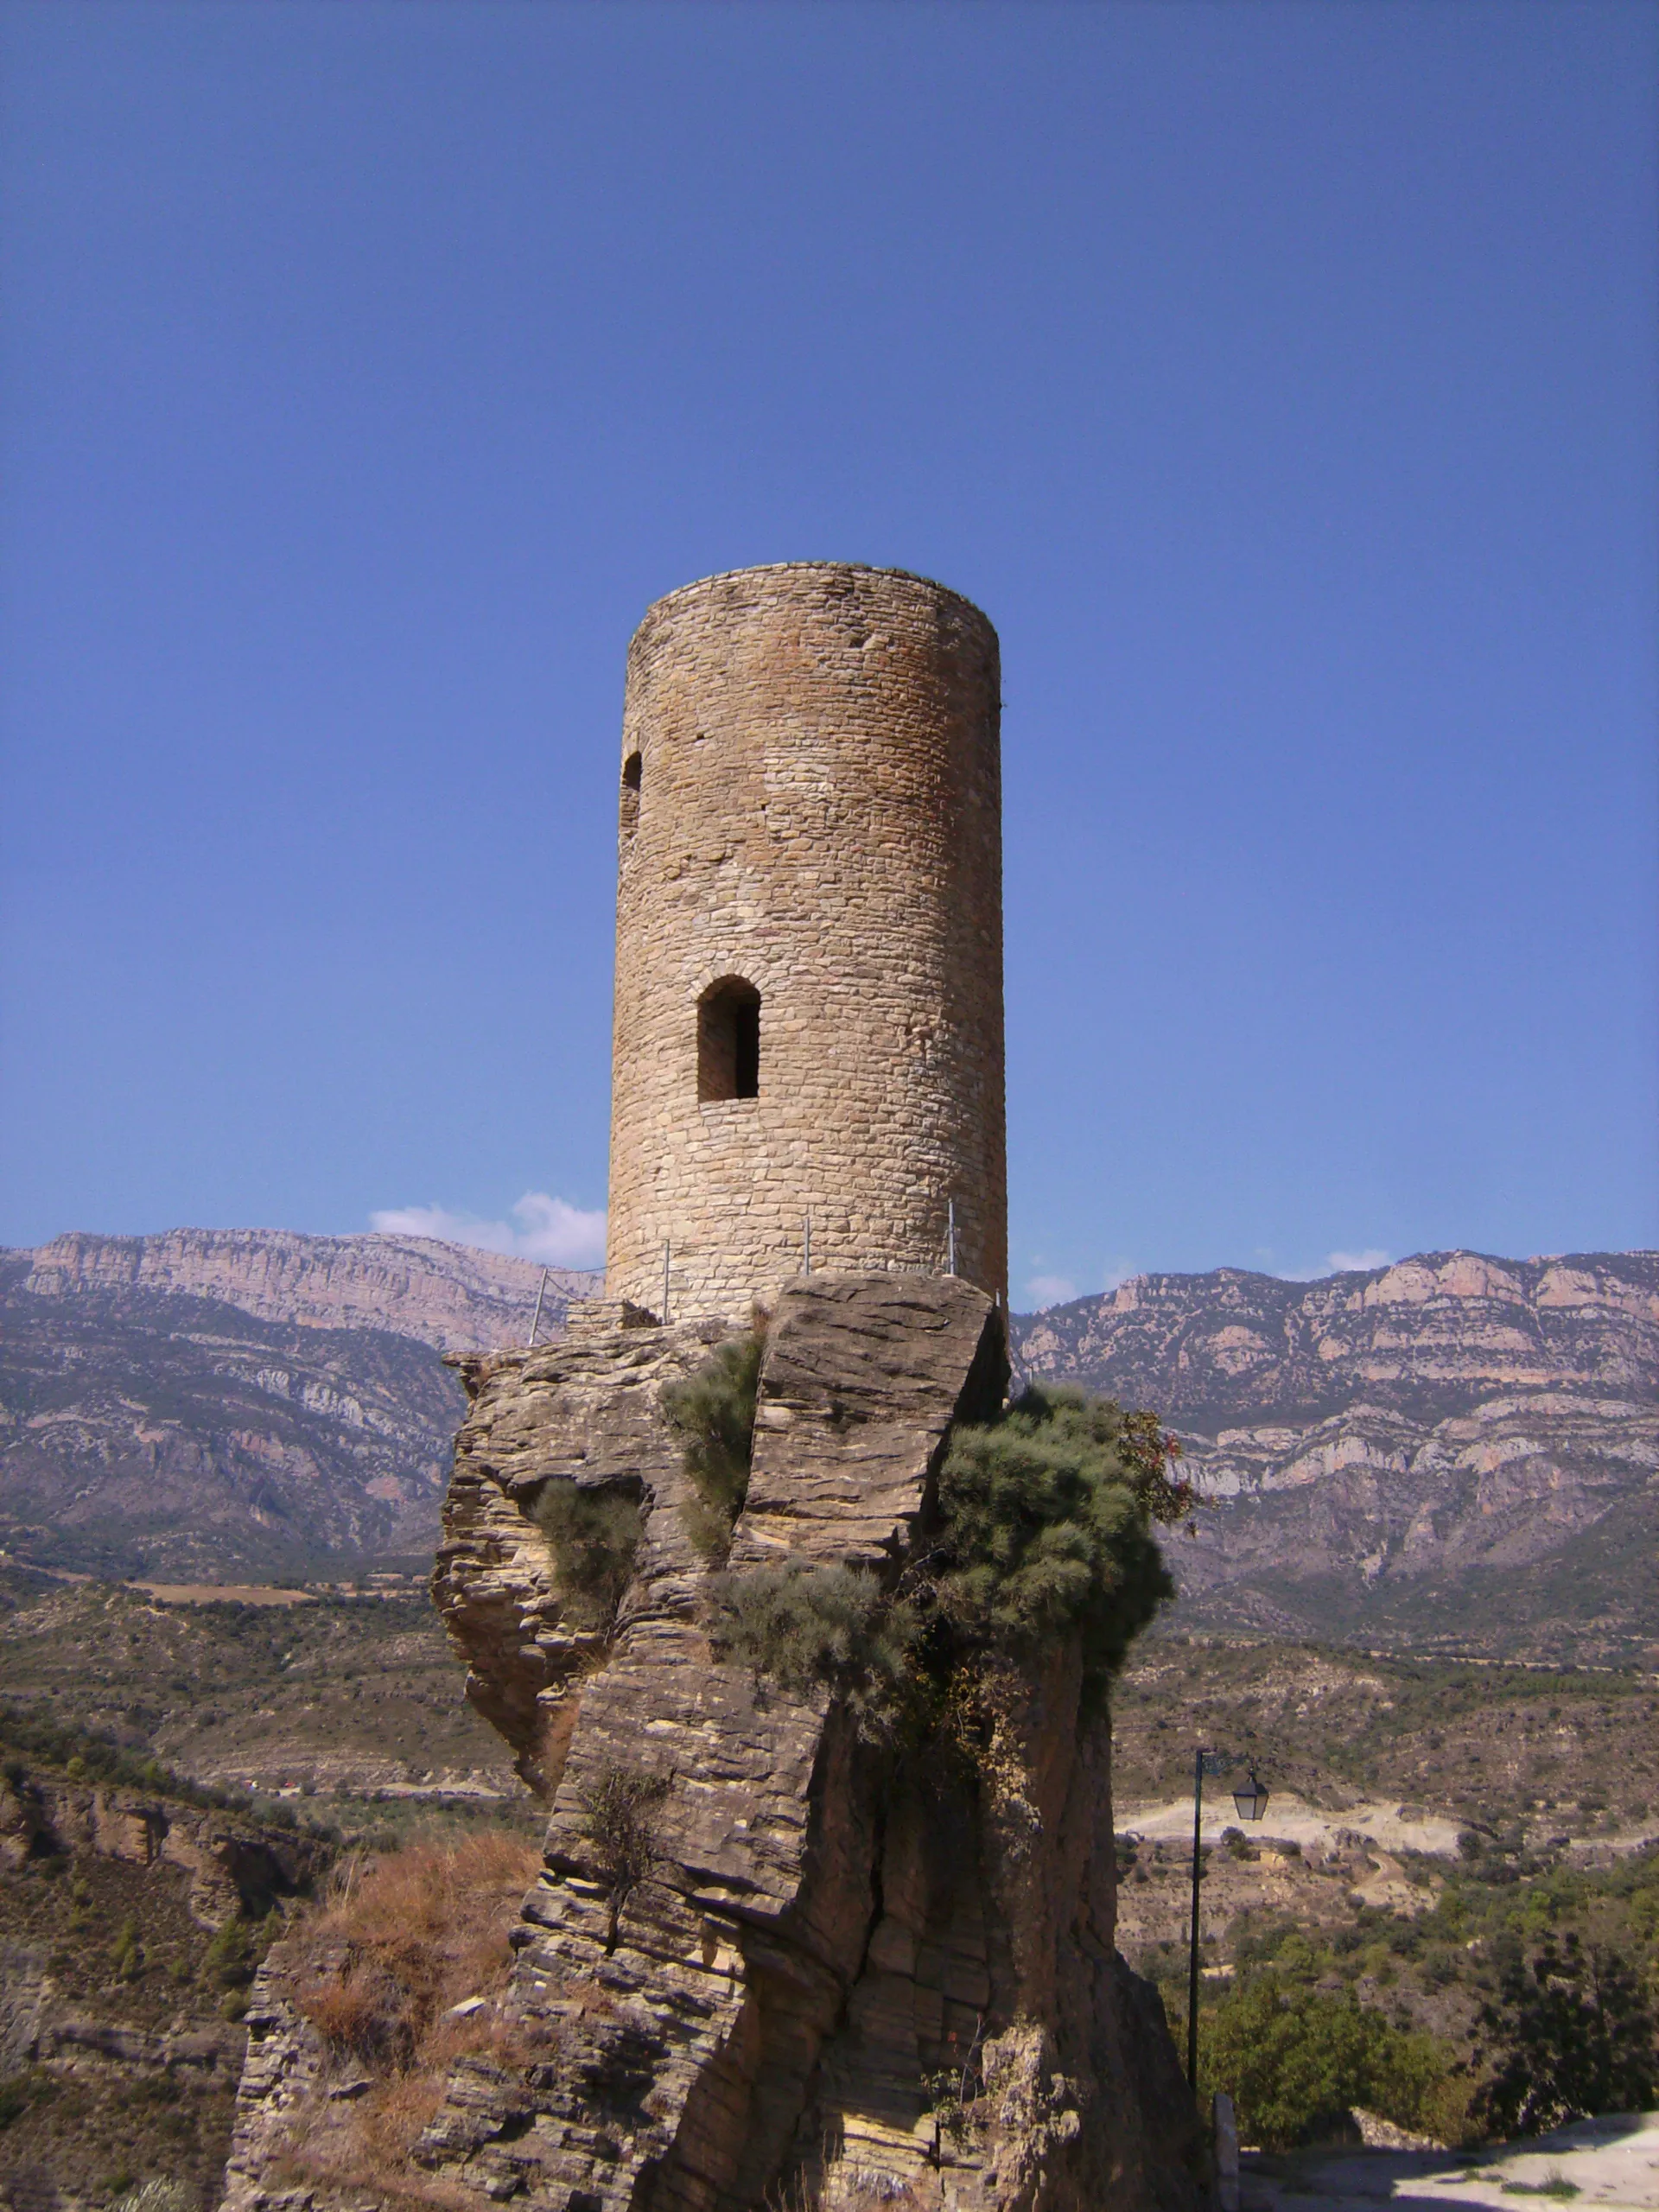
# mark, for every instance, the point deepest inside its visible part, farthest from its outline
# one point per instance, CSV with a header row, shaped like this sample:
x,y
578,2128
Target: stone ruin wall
x,y
810,801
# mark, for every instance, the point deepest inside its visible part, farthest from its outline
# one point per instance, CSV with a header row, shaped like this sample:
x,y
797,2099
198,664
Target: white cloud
x,y
1354,1263
1336,1263
1044,1291
542,1228
560,1235
1118,1271
448,1228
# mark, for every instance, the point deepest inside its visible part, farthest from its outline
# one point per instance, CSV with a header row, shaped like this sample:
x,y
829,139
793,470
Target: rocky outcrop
x,y
286,2075
1457,1450
233,1866
587,1409
449,1296
853,1971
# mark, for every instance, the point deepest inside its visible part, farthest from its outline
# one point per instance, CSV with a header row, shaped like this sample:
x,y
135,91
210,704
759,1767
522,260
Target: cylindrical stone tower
x,y
809,939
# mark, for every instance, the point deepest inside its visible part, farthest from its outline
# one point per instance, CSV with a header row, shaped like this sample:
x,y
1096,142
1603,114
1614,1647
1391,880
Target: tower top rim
x,y
699,584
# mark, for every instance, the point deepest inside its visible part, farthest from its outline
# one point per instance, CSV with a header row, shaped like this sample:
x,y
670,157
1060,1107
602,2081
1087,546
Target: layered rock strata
x,y
243,1405
836,1942
449,1296
234,1868
1455,1453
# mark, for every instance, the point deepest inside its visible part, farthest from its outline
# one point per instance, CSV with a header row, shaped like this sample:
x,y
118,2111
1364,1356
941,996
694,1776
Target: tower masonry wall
x,y
811,813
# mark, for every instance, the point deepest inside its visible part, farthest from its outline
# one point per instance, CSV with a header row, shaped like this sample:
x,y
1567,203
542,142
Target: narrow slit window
x,y
632,776
729,1040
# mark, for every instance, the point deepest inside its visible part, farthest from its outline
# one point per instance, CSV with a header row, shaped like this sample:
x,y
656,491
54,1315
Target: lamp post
x,y
1251,1798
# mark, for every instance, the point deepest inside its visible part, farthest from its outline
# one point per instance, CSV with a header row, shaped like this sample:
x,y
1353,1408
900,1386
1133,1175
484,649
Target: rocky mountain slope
x,y
819,1923
1455,1451
209,1405
447,1295
133,1912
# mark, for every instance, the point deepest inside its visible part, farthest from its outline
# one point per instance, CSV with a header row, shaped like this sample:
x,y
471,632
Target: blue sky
x,y
1281,379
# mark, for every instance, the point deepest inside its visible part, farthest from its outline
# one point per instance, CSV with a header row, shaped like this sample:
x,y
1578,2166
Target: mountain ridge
x,y
1530,1323
242,1404
455,1297
1450,1452
1455,1449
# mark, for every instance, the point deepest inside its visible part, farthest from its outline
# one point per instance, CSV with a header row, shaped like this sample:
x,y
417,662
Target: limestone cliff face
x,y
589,1410
1456,1451
831,1930
225,1405
1430,1333
447,1295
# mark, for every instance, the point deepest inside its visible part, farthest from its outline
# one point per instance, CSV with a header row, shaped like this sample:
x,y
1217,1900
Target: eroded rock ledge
x,y
832,1928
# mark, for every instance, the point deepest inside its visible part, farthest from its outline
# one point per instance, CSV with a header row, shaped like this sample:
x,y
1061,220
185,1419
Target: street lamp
x,y
1252,1801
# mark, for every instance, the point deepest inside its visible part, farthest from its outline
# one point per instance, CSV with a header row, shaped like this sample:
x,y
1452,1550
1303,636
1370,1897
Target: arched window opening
x,y
633,769
729,1040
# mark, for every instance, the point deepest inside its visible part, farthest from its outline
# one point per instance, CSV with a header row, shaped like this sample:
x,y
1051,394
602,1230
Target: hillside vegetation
x,y
1353,1971
347,1698
1561,1751
354,1704
125,1969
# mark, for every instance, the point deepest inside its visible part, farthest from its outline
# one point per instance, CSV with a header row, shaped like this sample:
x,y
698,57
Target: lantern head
x,y
1251,1798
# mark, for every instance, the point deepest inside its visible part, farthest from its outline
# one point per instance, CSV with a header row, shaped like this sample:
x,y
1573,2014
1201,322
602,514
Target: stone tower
x,y
809,941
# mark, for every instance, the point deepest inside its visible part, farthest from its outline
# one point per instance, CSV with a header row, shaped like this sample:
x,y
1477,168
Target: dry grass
x,y
426,1888
368,2145
420,1931
399,1941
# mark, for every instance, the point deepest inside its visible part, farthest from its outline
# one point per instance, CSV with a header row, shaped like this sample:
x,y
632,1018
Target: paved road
x,y
1611,2163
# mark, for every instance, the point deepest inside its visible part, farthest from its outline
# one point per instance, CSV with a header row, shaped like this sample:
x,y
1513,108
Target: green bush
x,y
1043,1530
1574,2035
808,1628
620,1813
127,1953
15,2097
89,1755
231,1957
714,1411
1048,1518
1296,2062
594,1535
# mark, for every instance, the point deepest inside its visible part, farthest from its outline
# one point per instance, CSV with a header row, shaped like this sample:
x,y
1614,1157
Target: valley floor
x,y
1425,1818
